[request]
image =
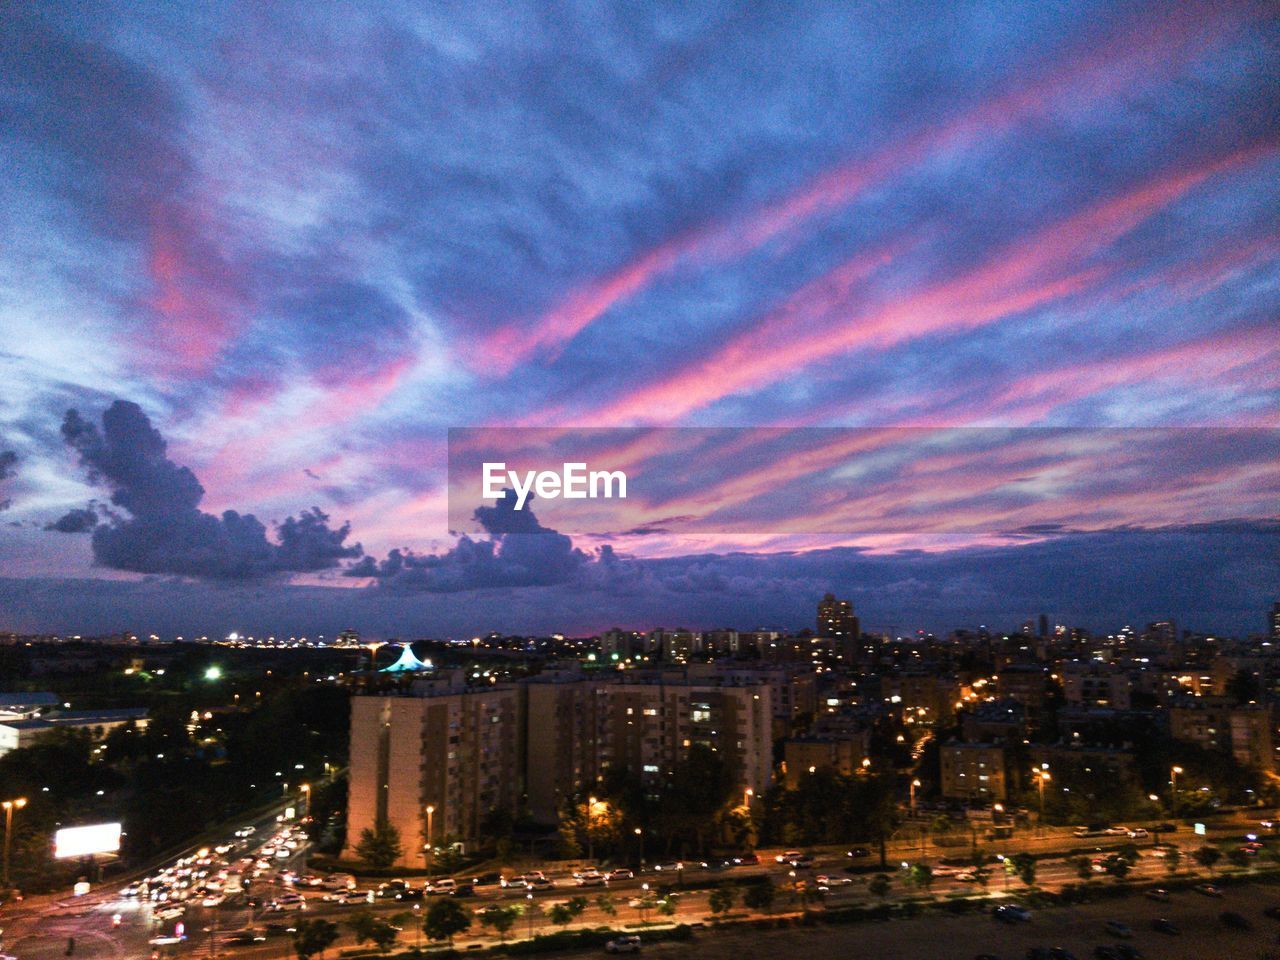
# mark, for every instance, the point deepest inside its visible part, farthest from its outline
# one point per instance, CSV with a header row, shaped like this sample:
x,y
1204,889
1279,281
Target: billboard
x,y
86,841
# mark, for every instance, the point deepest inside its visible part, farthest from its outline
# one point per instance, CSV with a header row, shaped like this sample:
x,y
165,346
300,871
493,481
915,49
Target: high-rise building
x,y
837,621
441,756
446,755
1274,626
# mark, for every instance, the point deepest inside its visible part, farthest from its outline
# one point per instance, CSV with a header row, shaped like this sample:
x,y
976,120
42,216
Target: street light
x,y
306,797
1042,777
9,807
914,784
640,841
591,839
747,794
1175,771
431,852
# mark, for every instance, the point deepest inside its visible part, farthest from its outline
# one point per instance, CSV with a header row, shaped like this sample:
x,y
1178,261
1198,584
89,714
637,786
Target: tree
x,y
1172,857
1118,867
1238,858
379,846
563,913
760,896
667,905
500,918
879,885
1024,866
445,919
1207,857
1084,868
921,876
313,936
368,927
607,905
720,900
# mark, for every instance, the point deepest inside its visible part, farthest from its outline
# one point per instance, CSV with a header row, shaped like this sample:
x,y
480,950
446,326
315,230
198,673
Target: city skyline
x,y
245,297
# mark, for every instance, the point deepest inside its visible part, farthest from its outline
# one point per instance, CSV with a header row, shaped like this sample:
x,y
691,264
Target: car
x,y
246,832
172,912
629,944
1165,926
1138,833
464,890
1118,928
437,887
621,873
1160,895
213,900
746,859
541,883
966,876
669,865
802,862
592,880
827,880
240,938
857,853
1208,889
523,879
1012,913
787,856
486,879
287,903
1234,920
1115,832
942,871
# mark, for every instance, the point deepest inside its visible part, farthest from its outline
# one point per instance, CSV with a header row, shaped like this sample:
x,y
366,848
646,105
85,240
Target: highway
x,y
41,929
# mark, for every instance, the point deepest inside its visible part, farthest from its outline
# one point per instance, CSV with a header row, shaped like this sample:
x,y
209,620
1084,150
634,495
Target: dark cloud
x,y
8,462
77,520
519,553
1209,577
165,532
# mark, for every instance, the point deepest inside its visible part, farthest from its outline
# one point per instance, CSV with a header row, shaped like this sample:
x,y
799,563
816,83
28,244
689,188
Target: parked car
x,y
857,853
787,856
1118,928
621,873
669,865
1012,913
1138,833
438,887
1159,894
1208,889
1165,926
592,880
629,944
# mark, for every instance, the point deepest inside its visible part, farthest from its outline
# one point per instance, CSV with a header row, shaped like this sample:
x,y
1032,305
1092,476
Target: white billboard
x,y
86,841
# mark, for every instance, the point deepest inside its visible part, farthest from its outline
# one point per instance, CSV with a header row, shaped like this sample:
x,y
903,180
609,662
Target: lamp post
x,y
640,841
306,800
431,850
591,840
417,926
529,910
9,807
1174,772
914,784
1042,777
747,794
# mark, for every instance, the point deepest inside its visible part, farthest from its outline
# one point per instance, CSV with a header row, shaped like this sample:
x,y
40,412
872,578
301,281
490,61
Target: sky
x,y
966,311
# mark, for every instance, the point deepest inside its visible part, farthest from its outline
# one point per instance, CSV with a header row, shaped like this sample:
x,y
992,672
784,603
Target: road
x,y
42,930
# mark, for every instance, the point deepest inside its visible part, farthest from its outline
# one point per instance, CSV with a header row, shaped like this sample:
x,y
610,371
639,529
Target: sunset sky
x,y
257,259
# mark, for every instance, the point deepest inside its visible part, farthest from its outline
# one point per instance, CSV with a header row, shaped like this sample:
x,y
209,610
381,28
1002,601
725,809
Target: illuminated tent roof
x,y
406,662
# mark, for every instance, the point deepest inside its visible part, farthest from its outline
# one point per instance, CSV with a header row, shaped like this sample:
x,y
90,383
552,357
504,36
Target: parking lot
x,y
1079,929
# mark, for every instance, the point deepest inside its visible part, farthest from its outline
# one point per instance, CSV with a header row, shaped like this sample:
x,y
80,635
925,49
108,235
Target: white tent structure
x,y
407,662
